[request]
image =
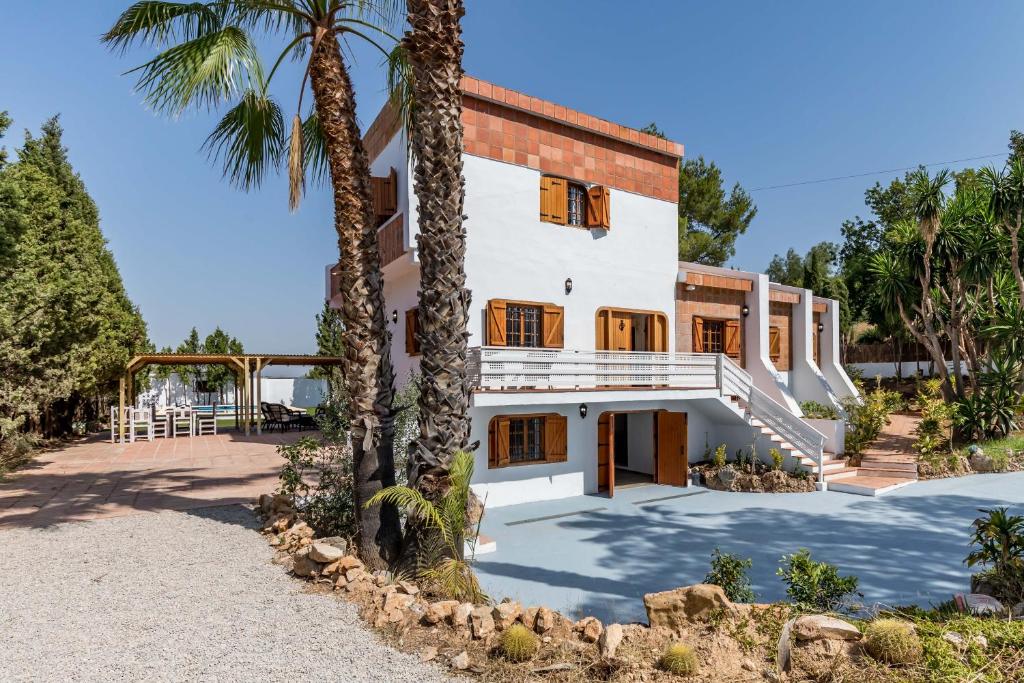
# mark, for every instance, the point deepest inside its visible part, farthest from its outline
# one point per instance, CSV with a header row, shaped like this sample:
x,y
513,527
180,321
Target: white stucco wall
x,y
831,367
640,432
809,383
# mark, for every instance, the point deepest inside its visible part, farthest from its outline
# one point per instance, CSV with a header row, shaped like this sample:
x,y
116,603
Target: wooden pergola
x,y
248,369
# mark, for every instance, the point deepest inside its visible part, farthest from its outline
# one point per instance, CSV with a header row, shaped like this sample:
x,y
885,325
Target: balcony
x,y
496,368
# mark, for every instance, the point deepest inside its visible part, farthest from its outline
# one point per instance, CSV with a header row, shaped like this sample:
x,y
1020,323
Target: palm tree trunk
x,y
434,46
1015,257
367,341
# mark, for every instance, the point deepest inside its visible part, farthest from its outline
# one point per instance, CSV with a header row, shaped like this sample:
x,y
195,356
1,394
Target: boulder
x,y
955,639
481,622
347,562
1018,611
506,613
440,611
819,660
981,605
354,574
338,542
460,662
545,620
610,640
408,588
980,462
301,530
589,629
529,617
675,608
304,566
322,552
474,513
821,627
397,601
428,654
460,615
726,475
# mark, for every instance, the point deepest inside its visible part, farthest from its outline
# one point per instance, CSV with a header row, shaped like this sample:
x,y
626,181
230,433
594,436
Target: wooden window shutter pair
x,y
412,330
552,324
385,196
554,200
774,344
732,339
556,430
698,334
498,442
599,207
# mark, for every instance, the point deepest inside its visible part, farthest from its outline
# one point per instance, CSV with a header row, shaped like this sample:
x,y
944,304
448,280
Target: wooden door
x,y
622,331
672,460
606,453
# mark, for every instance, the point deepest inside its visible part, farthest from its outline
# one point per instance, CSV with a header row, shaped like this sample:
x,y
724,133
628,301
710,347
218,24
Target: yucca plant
x,y
441,564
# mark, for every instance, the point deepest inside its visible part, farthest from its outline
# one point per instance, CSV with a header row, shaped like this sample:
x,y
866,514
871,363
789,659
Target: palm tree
x,y
433,50
209,58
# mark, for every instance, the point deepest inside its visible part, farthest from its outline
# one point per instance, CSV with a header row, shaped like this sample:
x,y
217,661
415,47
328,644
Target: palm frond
x,y
296,170
154,22
414,503
249,140
314,150
202,72
460,473
400,85
456,579
272,16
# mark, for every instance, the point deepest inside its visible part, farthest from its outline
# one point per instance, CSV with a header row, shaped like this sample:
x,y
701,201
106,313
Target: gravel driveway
x,y
175,596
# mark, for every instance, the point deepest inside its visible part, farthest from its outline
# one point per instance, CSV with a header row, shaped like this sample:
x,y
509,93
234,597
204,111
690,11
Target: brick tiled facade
x,y
712,303
780,315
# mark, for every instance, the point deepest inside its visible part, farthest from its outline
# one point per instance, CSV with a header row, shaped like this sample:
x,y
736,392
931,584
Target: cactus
x,y
892,641
680,659
518,643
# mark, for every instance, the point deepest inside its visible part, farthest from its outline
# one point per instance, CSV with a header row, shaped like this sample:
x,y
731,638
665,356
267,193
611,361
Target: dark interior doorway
x,y
621,440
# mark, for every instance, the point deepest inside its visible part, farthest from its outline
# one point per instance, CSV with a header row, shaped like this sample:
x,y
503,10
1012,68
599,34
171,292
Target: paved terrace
x,y
595,555
94,479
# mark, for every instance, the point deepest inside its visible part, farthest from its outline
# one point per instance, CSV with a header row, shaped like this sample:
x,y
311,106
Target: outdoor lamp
x,y
568,285
745,310
394,316
821,327
690,288
583,410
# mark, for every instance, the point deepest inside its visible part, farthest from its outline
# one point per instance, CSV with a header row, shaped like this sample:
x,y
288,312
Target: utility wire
x,y
870,173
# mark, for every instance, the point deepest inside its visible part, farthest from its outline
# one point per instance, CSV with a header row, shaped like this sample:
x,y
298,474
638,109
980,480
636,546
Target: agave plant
x,y
441,565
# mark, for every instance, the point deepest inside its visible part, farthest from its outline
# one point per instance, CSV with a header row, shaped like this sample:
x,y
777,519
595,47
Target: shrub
x,y
730,572
777,458
680,659
998,539
518,643
720,456
936,418
818,411
865,420
892,641
815,585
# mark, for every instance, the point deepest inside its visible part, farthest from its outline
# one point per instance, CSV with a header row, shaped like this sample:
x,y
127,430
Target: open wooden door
x,y
606,454
672,457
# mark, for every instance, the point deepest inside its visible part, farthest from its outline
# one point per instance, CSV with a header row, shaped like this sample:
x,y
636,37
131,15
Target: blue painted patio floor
x,y
906,547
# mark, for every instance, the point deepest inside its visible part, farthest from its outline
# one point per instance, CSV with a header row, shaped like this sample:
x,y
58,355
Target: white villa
x,y
596,354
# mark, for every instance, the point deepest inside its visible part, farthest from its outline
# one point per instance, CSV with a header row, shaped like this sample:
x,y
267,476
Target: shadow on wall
x,y
308,393
908,550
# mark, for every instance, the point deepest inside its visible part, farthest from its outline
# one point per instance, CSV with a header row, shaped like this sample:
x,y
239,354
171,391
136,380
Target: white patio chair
x,y
181,422
206,423
140,423
116,421
161,423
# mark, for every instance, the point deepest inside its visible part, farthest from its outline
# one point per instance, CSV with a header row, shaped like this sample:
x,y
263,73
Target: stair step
x,y
889,465
868,486
888,473
844,473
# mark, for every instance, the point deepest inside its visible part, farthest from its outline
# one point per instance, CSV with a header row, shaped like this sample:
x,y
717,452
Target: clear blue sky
x,y
773,92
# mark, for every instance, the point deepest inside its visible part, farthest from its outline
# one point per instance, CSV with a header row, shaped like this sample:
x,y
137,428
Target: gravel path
x,y
175,596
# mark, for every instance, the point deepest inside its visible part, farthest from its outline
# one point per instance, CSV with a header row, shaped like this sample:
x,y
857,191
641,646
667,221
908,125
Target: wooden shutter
x,y
554,200
412,328
598,207
498,446
556,429
385,196
554,326
496,322
659,332
774,344
732,339
602,330
698,334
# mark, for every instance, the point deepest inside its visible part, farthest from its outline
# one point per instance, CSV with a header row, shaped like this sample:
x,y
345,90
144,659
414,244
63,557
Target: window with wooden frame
x,y
775,344
526,324
527,439
717,336
412,331
565,202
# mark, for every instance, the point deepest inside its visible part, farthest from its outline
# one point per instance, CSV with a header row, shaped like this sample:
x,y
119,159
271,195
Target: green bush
x,y
730,572
720,456
680,659
818,411
865,419
815,585
936,418
892,641
518,643
998,541
777,458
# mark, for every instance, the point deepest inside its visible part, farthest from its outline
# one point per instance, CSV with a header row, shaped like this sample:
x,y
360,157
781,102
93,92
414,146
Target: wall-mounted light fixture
x,y
745,310
690,288
394,316
568,285
821,327
583,411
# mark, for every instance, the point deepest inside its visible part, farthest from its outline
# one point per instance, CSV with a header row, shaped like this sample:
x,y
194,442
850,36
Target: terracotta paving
x,y
895,443
93,478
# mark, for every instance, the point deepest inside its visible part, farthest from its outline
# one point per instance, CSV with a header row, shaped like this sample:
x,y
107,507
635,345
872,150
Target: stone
x,y
726,475
981,462
301,530
820,659
439,611
955,639
322,552
981,605
589,628
286,561
784,650
506,613
979,641
481,622
545,620
428,654
1017,612
355,574
748,665
338,542
397,601
610,640
529,617
474,513
303,566
408,588
460,615
340,582
678,607
821,627
460,662
349,562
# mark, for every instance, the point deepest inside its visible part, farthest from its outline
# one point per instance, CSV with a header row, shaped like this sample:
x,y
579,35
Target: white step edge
x,y
843,486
